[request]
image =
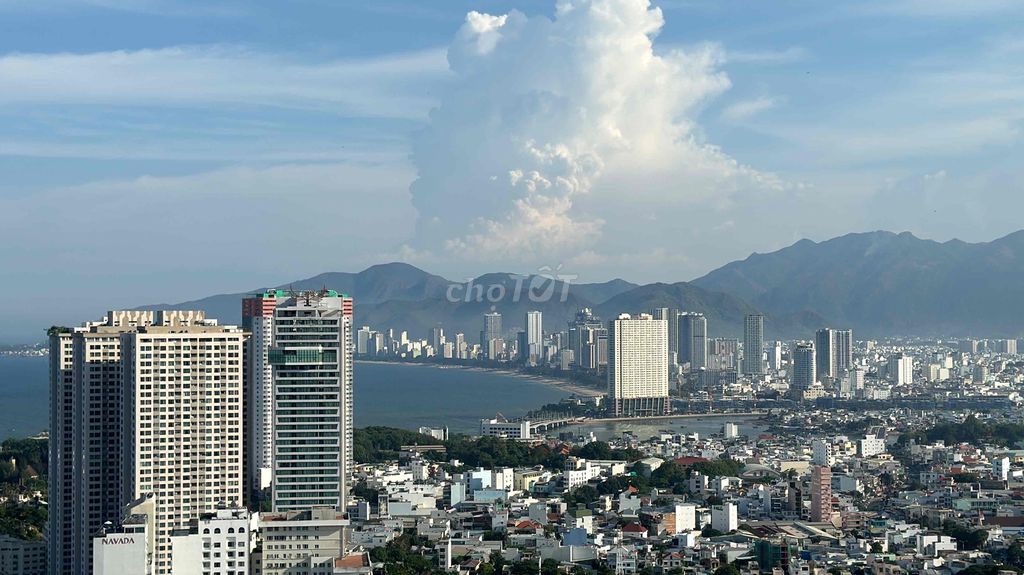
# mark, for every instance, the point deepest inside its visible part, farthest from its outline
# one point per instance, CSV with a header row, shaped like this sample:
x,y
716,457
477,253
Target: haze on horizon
x,y
153,150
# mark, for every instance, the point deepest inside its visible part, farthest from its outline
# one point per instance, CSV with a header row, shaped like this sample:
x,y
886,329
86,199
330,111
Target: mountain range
x,y
878,283
882,283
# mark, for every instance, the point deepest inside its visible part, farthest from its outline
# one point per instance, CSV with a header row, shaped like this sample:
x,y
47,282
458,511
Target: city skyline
x,y
499,287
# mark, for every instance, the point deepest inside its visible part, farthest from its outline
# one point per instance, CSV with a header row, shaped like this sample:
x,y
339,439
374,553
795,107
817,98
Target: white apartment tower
x,y
89,397
753,344
258,321
775,356
638,365
900,368
184,423
311,358
534,335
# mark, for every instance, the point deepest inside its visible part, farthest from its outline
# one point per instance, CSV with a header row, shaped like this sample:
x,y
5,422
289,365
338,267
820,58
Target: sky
x,y
160,150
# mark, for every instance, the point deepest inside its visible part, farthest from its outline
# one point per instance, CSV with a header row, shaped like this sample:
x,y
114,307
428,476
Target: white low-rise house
x,y
218,543
505,429
871,446
931,545
124,550
622,560
648,465
724,517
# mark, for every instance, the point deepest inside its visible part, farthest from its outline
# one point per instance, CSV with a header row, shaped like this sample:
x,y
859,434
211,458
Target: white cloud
x,y
746,109
208,76
555,136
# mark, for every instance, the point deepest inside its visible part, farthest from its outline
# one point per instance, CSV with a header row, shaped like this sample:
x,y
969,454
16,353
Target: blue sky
x,y
158,150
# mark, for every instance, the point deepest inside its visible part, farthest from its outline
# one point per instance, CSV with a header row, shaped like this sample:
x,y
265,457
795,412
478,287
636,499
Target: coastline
x,y
560,384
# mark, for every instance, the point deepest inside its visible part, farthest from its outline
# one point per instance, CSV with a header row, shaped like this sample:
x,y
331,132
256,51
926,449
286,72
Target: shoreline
x,y
563,385
738,414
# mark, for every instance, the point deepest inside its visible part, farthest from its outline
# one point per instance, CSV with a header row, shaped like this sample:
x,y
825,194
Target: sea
x,y
396,395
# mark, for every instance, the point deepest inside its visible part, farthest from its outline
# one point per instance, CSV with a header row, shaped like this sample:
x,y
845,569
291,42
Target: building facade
x,y
821,493
311,357
20,557
693,340
307,541
753,344
492,329
534,336
804,367
88,431
217,543
637,366
184,425
834,352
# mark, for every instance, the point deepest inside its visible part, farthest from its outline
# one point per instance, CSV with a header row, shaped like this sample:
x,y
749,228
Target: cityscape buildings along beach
x,y
647,287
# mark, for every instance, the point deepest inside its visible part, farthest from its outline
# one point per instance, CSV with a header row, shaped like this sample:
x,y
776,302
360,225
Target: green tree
x,y
583,495
969,539
727,569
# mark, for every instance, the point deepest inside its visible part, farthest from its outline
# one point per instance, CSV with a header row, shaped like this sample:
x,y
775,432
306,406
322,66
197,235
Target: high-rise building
x,y
723,353
89,399
460,346
363,336
311,358
258,321
968,346
900,368
821,493
824,353
804,367
534,335
1006,346
492,328
594,345
579,336
63,537
693,340
437,337
843,350
184,424
753,344
834,349
637,366
674,344
775,356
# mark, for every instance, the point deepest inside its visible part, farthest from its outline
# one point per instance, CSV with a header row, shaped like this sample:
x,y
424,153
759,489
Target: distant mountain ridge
x,y
884,283
403,297
878,283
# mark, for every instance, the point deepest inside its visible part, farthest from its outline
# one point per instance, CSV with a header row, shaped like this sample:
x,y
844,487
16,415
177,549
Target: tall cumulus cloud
x,y
557,135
